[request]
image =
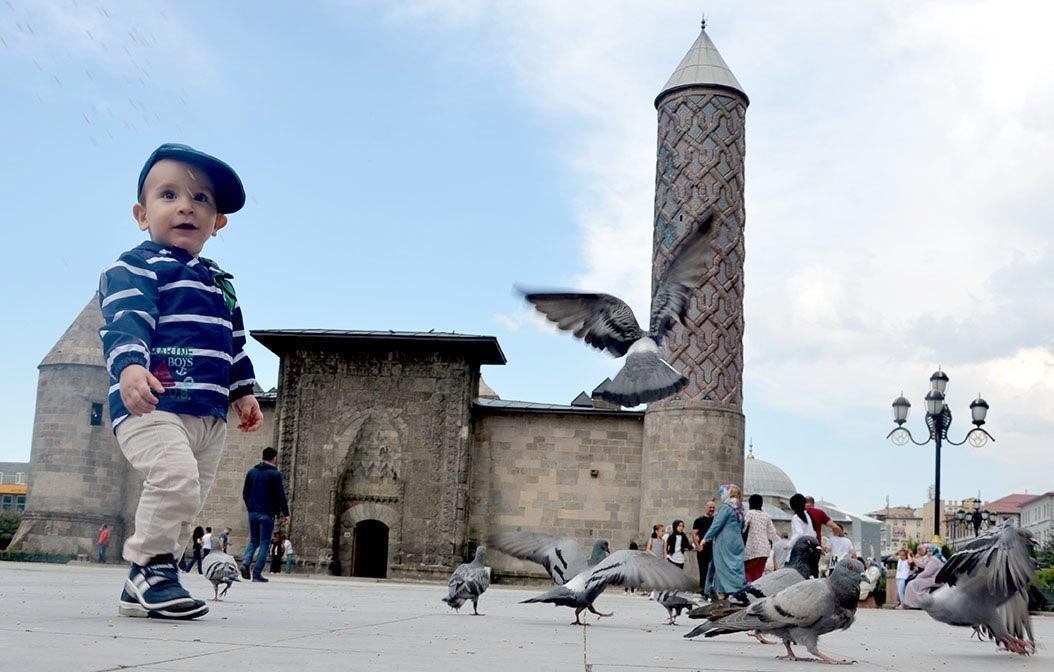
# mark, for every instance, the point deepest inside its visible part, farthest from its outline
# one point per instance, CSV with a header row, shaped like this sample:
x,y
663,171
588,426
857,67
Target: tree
x,y
9,521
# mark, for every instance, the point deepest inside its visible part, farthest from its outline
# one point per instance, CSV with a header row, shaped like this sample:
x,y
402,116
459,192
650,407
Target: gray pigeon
x,y
562,557
675,603
804,555
468,582
799,614
607,323
985,585
580,581
220,568
633,569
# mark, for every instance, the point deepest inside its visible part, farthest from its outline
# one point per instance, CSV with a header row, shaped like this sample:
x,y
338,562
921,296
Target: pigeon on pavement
x,y
675,603
985,585
219,567
607,323
805,551
468,582
799,614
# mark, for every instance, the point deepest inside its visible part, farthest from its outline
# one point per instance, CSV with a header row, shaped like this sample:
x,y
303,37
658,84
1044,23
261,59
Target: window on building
x,y
20,477
20,503
96,415
7,503
1,477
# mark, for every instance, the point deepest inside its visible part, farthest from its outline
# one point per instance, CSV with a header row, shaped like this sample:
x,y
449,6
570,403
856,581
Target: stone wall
x,y
384,429
224,507
532,471
76,481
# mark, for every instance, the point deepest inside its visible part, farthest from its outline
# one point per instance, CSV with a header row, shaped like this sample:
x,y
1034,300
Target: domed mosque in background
x,y
771,482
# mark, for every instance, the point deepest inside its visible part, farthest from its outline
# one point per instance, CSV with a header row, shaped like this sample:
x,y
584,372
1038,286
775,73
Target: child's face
x,y
179,206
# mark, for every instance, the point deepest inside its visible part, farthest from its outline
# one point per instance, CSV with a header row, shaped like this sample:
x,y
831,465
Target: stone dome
x,y
766,479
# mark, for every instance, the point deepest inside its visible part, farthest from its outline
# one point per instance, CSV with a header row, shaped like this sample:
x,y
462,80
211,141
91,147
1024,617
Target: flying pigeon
x,y
562,557
675,603
607,323
468,582
799,614
803,556
219,567
985,585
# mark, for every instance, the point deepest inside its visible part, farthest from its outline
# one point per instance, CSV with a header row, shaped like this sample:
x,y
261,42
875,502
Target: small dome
x,y
80,344
766,479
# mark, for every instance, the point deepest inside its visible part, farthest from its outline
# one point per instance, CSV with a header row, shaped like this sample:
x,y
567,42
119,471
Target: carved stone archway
x,y
361,522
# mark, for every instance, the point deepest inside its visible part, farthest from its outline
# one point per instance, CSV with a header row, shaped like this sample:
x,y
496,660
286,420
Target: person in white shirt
x,y
287,548
903,572
206,542
801,523
840,546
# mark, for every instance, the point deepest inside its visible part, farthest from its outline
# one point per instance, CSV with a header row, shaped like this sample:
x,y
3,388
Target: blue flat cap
x,y
230,194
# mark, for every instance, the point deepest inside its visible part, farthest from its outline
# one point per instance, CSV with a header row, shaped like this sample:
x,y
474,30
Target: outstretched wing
x,y
562,557
635,569
601,320
1002,559
681,278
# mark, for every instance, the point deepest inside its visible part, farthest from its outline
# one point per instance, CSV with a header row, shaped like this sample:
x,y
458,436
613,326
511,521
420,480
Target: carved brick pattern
x,y
700,164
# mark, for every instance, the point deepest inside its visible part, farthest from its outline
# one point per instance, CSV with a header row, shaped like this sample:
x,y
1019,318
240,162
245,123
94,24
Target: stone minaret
x,y
77,473
693,441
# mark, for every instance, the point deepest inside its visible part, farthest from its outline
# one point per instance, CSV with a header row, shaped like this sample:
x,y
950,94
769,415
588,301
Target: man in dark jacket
x,y
264,497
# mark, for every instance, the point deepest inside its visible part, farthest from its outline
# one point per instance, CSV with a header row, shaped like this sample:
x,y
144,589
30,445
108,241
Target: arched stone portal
x,y
368,539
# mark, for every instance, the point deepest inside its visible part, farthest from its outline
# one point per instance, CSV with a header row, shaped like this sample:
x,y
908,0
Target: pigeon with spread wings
x,y
580,581
986,585
607,323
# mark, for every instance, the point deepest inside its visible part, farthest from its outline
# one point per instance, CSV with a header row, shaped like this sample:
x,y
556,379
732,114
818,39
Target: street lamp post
x,y
938,421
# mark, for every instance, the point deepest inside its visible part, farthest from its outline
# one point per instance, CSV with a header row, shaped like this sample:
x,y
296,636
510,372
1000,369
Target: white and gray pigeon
x,y
607,322
561,557
675,604
799,614
985,585
581,580
220,568
804,555
468,582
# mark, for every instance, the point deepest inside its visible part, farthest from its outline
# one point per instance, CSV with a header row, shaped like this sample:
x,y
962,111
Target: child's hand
x,y
248,410
137,389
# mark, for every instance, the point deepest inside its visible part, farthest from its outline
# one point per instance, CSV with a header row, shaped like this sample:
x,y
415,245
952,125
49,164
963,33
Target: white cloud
x,y
898,172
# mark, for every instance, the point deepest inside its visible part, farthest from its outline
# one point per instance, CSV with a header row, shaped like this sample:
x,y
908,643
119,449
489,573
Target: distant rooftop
x,y
1009,504
535,407
485,348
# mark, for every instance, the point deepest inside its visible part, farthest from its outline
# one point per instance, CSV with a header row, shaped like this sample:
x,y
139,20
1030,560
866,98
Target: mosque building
x,y
399,459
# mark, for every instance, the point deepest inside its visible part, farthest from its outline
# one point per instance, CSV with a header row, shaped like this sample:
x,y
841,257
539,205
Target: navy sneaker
x,y
245,572
153,591
259,578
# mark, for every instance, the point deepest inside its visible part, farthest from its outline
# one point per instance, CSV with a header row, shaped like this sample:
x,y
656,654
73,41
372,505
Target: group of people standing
x,y
735,544
917,573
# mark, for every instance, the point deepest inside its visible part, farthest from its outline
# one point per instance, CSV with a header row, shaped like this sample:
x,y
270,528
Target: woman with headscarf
x,y
760,535
726,534
931,563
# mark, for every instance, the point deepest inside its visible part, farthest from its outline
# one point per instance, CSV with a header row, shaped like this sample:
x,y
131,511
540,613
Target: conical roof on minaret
x,y
702,66
80,344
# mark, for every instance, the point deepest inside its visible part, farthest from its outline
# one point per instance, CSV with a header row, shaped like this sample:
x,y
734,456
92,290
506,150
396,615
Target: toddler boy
x,y
174,344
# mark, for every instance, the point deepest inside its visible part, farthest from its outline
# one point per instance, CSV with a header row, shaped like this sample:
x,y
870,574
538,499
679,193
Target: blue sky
x,y
407,162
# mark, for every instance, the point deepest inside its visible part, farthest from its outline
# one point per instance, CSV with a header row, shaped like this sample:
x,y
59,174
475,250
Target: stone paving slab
x,y
63,618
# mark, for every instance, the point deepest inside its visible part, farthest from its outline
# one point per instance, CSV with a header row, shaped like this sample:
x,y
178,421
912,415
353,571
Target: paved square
x,y
63,618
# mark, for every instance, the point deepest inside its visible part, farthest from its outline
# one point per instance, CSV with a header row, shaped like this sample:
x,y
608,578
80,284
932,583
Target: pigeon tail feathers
x,y
644,378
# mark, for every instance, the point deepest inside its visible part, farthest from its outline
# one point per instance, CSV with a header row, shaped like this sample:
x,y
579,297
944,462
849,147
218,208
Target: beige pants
x,y
178,456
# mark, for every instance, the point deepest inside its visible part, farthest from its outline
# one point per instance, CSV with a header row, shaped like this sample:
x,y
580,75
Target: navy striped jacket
x,y
178,316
